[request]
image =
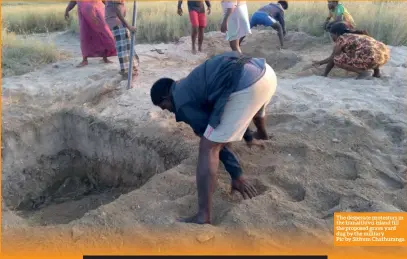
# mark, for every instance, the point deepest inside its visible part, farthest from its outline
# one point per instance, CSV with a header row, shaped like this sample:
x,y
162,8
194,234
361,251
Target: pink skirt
x,y
95,35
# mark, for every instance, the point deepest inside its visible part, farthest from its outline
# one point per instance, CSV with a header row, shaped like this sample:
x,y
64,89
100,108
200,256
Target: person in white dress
x,y
235,23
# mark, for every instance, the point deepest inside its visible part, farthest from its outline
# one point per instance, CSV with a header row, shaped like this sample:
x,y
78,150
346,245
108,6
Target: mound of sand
x,y
80,151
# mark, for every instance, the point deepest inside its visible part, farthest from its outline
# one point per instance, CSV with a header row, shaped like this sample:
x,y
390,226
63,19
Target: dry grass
x,y
158,22
21,55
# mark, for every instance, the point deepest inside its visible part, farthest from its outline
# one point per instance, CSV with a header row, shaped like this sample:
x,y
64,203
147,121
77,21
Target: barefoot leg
x,y
106,60
234,45
83,63
200,38
260,124
208,162
376,73
194,35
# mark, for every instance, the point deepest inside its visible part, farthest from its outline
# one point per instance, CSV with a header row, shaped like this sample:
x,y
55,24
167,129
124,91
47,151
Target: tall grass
x,y
158,21
24,55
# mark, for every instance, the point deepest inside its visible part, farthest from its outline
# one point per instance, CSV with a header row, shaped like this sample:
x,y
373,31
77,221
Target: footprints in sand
x,y
396,131
291,188
389,180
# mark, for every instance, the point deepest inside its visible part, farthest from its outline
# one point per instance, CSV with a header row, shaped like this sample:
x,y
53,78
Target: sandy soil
x,y
338,144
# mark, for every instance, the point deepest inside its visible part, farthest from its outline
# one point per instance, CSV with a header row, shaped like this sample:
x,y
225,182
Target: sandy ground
x,y
338,144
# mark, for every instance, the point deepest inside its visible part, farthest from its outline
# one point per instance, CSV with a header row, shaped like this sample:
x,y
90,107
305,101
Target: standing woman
x,y
236,23
355,51
96,38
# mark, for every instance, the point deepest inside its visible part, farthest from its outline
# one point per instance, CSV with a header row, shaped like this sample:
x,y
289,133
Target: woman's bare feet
x,y
83,63
106,60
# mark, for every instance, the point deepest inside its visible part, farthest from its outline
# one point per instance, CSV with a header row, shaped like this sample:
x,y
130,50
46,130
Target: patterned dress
x,y
361,52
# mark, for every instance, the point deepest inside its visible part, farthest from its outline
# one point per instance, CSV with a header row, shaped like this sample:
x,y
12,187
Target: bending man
x,y
219,99
271,15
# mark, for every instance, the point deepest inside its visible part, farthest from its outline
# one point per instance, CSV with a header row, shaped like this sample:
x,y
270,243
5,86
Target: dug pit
x,y
58,168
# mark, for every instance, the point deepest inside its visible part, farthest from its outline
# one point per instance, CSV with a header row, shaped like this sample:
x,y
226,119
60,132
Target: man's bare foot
x,y
83,63
193,51
197,219
244,188
200,49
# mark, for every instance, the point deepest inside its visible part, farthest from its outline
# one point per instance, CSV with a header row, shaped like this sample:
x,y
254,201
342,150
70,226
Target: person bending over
x,y
271,15
355,51
218,100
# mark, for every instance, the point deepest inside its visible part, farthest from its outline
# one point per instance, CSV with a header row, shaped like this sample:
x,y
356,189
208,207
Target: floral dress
x,y
361,52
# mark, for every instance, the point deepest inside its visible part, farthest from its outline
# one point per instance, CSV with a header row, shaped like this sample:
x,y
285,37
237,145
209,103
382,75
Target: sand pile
x,y
80,150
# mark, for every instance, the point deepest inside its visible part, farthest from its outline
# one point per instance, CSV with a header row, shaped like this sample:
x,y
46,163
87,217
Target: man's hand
x,y
180,11
224,27
244,188
66,15
209,10
132,28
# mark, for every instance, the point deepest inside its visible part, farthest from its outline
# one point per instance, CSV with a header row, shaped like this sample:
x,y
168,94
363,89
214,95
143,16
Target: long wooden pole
x,y
130,72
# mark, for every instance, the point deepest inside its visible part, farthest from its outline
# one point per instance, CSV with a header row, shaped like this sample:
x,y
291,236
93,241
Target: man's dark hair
x,y
284,4
160,90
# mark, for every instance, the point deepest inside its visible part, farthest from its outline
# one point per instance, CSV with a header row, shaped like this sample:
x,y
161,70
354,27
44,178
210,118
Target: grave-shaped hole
x,y
57,169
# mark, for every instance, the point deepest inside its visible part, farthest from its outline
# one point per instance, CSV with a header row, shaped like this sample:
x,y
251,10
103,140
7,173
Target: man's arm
x,y
230,163
328,18
70,6
280,18
208,4
337,50
179,4
120,16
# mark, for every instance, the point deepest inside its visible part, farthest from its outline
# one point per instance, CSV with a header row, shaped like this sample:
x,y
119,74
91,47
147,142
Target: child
x,y
115,17
197,18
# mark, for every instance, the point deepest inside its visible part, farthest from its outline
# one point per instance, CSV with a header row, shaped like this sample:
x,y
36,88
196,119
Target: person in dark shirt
x,y
218,100
197,18
271,15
